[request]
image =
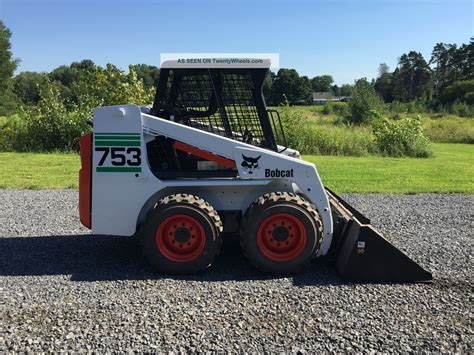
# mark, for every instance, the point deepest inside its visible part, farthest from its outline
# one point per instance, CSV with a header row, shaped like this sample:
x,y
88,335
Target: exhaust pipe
x,y
362,254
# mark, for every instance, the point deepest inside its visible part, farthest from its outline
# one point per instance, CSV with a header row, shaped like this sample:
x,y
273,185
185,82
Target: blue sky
x,y
344,38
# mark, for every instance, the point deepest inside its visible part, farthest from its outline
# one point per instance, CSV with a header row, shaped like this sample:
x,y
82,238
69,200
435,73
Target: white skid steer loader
x,y
207,160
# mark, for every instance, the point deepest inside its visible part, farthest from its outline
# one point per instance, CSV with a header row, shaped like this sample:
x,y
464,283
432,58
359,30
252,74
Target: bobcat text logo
x,y
278,173
250,163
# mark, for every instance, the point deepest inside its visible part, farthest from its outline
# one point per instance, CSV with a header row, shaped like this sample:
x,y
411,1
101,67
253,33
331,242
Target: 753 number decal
x,y
120,156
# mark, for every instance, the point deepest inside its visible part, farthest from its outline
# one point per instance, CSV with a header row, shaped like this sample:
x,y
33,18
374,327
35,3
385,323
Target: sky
x,y
347,39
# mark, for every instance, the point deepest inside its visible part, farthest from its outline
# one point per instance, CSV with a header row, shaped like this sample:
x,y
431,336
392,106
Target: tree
x,y
459,91
346,90
7,67
364,102
84,65
383,85
267,85
412,78
27,86
322,83
288,82
336,90
451,63
149,74
65,74
305,92
383,69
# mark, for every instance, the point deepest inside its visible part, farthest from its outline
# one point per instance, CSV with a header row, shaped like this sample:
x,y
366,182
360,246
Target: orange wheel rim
x,y
281,237
180,238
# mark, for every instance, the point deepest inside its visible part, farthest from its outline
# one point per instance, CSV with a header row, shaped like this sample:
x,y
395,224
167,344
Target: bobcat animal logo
x,y
250,163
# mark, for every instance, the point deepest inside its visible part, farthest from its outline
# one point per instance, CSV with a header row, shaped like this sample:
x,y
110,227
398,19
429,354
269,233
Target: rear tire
x,y
181,234
280,233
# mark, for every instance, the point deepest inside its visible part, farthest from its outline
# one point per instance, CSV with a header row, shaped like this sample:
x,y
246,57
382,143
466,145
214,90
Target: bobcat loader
x,y
207,160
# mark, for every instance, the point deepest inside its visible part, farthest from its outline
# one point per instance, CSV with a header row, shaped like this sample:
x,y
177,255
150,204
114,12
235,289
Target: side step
x,y
362,254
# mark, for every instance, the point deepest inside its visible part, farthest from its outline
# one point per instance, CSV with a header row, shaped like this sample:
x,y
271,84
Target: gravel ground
x,y
63,289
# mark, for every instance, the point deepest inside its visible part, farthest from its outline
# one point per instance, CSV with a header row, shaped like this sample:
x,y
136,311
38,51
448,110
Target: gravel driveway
x,y
64,289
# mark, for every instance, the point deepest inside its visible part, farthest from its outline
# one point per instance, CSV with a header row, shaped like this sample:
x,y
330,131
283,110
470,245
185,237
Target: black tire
x,y
280,233
181,234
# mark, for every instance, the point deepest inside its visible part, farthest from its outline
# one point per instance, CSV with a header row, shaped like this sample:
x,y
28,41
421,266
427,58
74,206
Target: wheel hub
x,y
182,235
180,238
281,237
280,234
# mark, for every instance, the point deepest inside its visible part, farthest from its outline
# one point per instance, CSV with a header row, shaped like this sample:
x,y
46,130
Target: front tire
x,y
281,232
181,234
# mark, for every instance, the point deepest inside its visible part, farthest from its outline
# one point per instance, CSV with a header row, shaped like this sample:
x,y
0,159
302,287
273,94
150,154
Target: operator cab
x,y
227,101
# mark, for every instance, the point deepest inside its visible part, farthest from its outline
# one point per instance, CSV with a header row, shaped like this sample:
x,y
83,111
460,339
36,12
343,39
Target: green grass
x,y
450,170
39,170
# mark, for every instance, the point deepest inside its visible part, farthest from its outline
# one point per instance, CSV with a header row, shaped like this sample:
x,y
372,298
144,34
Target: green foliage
x,y
462,109
288,82
462,91
327,108
8,65
267,86
364,103
46,126
412,79
401,138
27,86
322,83
346,90
148,74
384,83
450,129
56,123
340,108
324,140
451,63
112,86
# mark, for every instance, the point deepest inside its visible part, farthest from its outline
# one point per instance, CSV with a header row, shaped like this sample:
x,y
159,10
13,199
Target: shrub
x,y
340,108
401,138
450,129
363,103
12,133
49,125
55,123
462,109
327,108
325,140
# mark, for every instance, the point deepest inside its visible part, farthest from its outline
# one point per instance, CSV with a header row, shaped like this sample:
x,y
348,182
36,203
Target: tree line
x,y
447,77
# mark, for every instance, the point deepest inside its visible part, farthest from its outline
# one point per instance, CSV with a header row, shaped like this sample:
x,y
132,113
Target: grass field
x,y
39,170
450,170
440,128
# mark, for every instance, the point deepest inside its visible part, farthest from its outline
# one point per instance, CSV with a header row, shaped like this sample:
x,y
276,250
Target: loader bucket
x,y
362,254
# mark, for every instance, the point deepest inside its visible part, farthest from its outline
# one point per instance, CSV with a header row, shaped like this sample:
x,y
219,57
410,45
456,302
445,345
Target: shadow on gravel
x,y
99,258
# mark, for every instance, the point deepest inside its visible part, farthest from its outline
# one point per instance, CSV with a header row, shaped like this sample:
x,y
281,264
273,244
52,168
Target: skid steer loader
x,y
208,159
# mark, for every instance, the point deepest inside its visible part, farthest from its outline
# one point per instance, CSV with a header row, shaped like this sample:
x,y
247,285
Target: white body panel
x,y
120,199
